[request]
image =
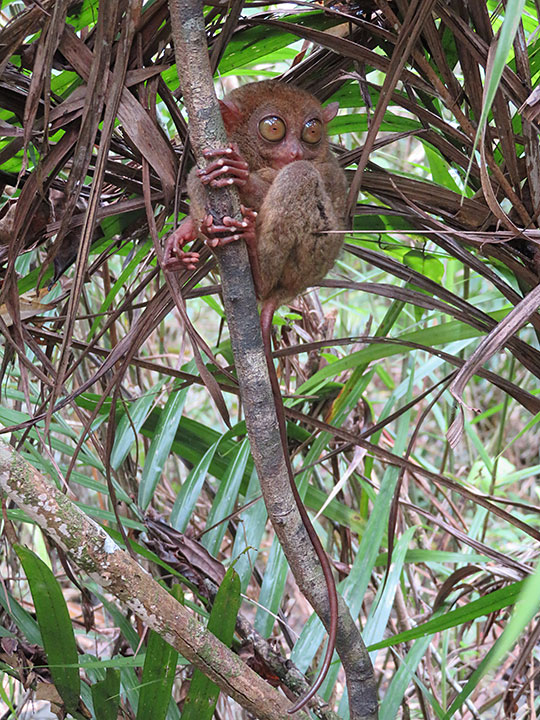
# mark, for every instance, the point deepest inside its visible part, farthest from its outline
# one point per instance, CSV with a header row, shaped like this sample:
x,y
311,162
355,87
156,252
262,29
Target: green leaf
x,y
252,524
440,335
21,617
131,268
189,492
271,593
83,14
477,608
254,43
130,424
509,28
158,674
427,265
225,499
424,263
394,695
439,168
55,626
161,444
192,439
526,608
203,693
382,607
106,696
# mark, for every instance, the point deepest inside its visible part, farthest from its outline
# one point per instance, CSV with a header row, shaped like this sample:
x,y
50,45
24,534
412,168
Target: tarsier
x,y
293,193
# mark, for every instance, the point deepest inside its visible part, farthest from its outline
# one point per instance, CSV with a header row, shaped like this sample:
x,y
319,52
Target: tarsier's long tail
x,y
267,313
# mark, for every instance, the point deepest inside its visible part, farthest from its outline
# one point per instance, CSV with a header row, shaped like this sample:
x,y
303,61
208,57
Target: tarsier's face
x,y
275,124
286,138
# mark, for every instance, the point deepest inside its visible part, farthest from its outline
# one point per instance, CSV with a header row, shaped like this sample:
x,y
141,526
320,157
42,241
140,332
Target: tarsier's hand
x,y
230,168
174,258
230,229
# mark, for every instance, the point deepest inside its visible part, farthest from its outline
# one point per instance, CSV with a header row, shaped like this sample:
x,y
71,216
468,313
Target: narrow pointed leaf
x,y
203,693
106,696
161,445
55,626
158,675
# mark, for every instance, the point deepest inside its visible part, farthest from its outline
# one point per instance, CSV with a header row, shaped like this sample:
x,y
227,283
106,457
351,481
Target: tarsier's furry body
x,y
296,187
293,200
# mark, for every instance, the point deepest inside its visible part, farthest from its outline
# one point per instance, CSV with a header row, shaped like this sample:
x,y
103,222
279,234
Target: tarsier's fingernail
x,y
230,181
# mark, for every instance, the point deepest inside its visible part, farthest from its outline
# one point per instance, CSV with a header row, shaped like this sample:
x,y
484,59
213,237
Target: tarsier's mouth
x,y
279,164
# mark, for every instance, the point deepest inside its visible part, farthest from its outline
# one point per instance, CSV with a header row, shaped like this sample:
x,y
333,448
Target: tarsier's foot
x,y
174,258
231,229
230,168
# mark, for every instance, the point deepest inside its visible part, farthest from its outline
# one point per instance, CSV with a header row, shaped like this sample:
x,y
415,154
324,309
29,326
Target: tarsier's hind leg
x,y
295,246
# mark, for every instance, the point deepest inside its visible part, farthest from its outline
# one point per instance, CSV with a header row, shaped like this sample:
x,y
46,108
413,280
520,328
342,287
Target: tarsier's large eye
x,y
272,128
312,131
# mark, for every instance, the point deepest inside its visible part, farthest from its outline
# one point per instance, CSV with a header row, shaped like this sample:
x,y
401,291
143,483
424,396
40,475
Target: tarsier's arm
x,y
174,257
228,168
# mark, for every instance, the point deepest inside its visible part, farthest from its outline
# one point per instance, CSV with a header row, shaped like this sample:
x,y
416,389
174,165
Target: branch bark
x,y
95,553
207,131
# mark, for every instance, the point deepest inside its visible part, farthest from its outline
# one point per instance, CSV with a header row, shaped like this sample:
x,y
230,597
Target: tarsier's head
x,y
275,124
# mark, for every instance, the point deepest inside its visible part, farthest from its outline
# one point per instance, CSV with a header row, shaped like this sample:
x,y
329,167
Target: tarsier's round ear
x,y
329,112
231,114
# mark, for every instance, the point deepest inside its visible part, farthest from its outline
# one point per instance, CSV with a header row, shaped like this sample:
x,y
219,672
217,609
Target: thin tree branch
x,y
207,131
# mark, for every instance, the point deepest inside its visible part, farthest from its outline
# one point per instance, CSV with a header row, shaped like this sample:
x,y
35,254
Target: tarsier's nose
x,y
296,153
294,150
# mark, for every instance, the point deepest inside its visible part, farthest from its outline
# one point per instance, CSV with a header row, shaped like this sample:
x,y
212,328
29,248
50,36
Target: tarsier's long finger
x,y
172,265
217,152
234,168
248,213
233,222
215,242
224,175
228,154
223,182
228,223
182,261
216,230
245,228
223,162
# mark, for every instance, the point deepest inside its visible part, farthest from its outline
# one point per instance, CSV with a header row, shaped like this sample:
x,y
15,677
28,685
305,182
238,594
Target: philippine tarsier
x,y
293,193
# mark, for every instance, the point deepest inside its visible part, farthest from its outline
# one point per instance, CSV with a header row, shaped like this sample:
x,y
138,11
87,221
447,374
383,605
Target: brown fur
x,y
297,204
